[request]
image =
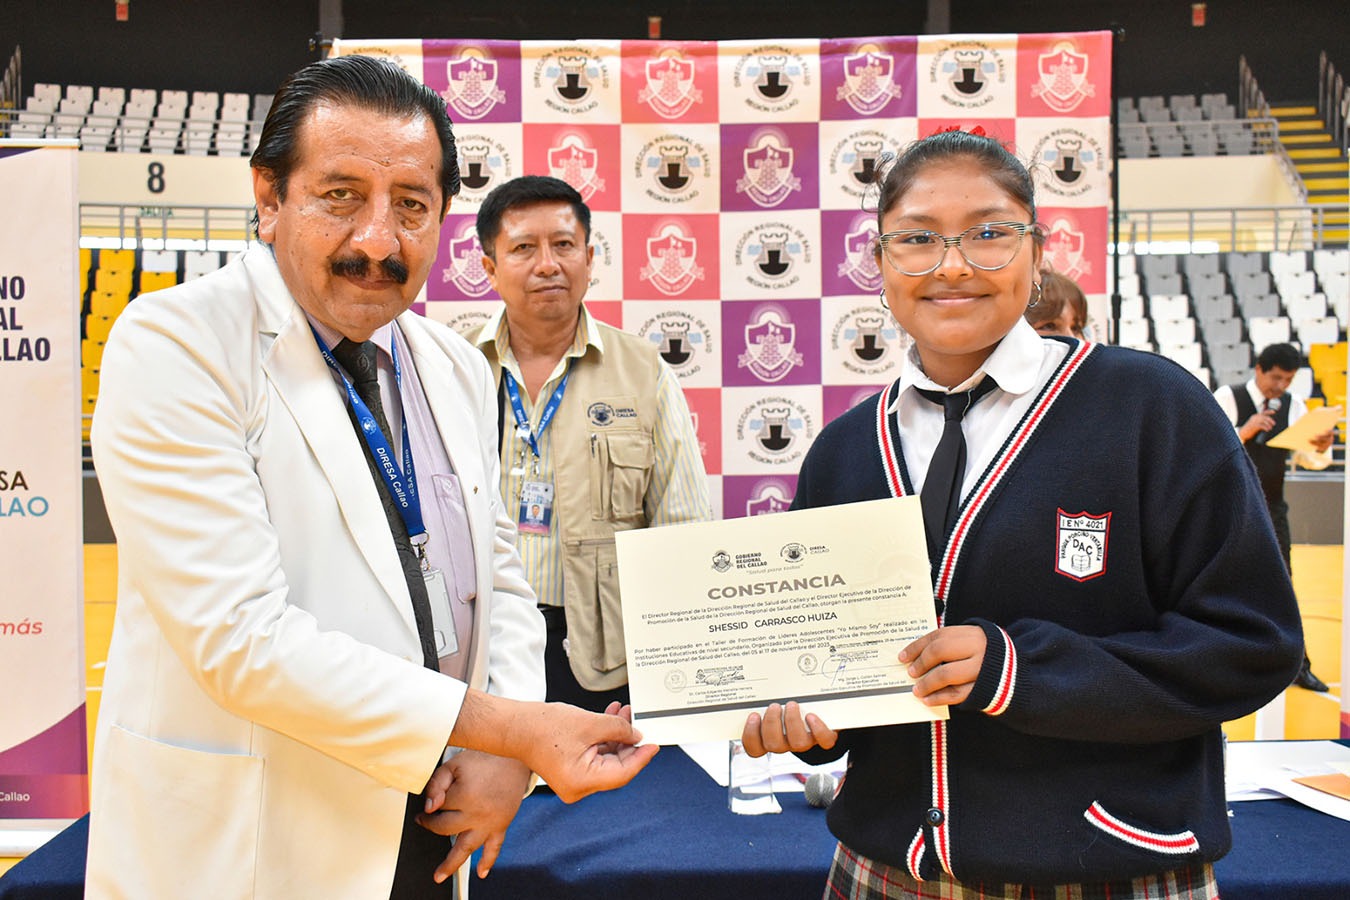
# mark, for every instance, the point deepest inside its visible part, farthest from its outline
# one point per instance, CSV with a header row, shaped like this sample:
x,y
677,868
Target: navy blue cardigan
x,y
1120,559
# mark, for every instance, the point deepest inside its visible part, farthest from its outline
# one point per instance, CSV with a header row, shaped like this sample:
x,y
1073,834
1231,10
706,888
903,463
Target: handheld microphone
x,y
820,788
1272,407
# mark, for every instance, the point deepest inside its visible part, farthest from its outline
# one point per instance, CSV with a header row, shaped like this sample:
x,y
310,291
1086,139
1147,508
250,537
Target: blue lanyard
x,y
402,485
523,421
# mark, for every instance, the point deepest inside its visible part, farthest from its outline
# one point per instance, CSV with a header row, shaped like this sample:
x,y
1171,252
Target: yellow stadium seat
x,y
107,304
117,280
156,281
96,328
91,353
1327,358
117,260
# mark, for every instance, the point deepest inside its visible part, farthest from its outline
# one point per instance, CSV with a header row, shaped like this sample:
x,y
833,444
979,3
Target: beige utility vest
x,y
603,454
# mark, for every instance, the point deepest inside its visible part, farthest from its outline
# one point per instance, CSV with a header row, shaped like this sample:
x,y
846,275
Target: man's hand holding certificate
x,y
722,619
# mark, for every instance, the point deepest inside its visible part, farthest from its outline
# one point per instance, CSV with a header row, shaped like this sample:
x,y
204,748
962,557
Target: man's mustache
x,y
359,267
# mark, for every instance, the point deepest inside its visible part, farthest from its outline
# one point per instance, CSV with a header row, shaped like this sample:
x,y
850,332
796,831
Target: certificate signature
x,y
723,618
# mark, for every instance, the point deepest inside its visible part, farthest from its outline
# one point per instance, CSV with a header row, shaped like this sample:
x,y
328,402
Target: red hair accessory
x,y
976,130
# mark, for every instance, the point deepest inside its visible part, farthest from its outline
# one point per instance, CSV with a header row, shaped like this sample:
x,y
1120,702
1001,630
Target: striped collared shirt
x,y
678,491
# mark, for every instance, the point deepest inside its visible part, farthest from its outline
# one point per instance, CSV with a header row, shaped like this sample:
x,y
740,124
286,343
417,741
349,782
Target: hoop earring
x,y
881,296
1037,300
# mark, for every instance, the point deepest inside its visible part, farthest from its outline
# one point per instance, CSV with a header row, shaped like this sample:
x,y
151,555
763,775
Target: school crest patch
x,y
1081,540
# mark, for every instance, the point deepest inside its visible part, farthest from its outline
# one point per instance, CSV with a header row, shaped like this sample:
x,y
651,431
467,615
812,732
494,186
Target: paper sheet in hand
x,y
723,618
1299,435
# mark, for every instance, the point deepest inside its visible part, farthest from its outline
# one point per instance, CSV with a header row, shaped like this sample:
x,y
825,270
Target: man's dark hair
x,y
373,84
1279,356
526,190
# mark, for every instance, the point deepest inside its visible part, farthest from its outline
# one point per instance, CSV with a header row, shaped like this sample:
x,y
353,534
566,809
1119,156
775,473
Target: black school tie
x,y
941,494
359,361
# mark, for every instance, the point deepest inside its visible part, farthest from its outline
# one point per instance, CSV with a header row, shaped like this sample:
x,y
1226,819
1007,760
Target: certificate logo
x,y
721,561
806,663
793,553
1081,540
676,680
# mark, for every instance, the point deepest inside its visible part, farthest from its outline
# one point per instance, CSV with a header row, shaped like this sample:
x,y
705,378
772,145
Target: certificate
x,y
723,618
1311,424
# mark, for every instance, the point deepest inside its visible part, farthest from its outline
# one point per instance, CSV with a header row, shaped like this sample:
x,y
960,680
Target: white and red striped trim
x,y
1007,678
1179,844
1017,441
890,454
942,841
915,855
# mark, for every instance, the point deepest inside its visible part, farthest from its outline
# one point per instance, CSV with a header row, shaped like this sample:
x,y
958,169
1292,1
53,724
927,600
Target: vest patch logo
x,y
1081,541
1063,80
471,79
603,414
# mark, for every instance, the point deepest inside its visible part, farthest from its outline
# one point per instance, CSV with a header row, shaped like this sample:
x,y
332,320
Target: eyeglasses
x,y
988,246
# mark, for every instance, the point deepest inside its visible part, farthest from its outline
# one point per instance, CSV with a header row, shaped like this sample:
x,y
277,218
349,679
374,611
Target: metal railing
x,y
165,227
1246,229
1333,101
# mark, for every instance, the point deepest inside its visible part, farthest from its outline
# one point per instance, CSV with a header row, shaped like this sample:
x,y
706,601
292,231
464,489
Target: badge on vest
x,y
1081,539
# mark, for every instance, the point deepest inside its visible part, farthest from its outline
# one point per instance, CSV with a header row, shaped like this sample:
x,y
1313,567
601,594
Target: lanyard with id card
x,y
402,487
535,515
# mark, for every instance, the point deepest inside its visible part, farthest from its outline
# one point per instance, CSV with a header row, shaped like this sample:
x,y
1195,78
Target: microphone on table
x,y
820,788
1272,407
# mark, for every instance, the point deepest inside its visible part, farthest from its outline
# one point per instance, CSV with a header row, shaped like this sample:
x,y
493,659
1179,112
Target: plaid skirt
x,y
855,877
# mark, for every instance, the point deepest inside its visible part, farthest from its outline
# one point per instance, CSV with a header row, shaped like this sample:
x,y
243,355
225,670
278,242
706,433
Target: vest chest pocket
x,y
620,472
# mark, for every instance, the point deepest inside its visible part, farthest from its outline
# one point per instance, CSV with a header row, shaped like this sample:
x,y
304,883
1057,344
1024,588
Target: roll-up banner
x,y
44,780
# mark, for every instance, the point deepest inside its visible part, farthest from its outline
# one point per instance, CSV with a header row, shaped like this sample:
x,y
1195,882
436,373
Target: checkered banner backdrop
x,y
731,219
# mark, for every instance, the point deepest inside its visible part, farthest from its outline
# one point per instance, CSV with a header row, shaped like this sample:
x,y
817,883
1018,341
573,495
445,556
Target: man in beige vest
x,y
596,436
